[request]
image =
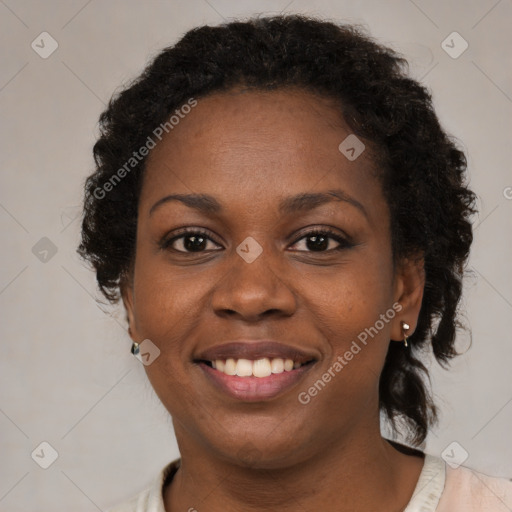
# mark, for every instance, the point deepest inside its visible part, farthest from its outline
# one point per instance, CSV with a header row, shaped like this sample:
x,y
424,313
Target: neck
x,y
363,473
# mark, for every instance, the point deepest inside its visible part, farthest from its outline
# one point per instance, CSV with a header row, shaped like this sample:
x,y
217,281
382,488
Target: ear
x,y
408,292
128,300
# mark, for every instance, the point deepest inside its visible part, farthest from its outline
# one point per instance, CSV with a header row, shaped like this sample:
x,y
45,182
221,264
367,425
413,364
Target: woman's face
x,y
259,270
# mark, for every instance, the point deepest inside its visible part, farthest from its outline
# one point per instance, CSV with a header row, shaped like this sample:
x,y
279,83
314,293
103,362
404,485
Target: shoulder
x,y
470,491
150,499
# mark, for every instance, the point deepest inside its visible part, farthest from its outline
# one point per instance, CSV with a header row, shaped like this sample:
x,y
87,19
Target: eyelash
x,y
344,243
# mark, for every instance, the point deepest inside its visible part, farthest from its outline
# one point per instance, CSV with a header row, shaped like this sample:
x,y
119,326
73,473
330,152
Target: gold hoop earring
x,y
405,328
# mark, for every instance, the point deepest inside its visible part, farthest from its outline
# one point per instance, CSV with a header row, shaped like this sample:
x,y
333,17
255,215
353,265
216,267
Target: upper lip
x,y
254,350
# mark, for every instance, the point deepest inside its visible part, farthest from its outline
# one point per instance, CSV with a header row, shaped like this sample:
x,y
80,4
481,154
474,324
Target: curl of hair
x,y
422,170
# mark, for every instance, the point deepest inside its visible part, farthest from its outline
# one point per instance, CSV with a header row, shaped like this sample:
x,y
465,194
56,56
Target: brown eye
x,y
189,241
322,241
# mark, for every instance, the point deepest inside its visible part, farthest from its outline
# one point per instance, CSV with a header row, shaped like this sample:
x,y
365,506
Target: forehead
x,y
247,143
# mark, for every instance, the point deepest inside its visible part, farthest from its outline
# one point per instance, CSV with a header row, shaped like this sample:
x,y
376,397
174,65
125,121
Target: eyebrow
x,y
290,205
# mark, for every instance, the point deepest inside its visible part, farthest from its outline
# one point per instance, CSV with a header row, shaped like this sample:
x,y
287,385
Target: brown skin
x,y
250,150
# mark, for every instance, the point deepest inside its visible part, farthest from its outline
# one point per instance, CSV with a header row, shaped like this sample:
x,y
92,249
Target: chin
x,y
263,454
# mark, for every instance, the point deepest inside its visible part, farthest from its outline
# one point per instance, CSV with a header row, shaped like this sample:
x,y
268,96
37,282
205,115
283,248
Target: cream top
x,y
440,488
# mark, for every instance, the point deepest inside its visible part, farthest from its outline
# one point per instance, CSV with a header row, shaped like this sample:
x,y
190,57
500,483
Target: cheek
x,y
162,300
353,311
166,312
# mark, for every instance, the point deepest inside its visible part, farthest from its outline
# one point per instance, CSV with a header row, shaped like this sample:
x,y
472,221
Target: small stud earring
x,y
405,328
135,348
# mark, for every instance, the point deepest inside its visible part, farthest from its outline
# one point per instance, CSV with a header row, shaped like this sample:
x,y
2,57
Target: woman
x,y
287,225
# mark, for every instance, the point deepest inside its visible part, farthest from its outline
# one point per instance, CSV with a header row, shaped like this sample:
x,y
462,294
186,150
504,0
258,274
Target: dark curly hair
x,y
422,170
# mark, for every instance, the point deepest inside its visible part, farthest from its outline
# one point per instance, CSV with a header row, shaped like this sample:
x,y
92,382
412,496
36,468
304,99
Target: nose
x,y
253,291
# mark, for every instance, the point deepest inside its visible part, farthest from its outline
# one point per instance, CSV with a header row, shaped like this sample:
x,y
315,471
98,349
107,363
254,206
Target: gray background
x,y
66,375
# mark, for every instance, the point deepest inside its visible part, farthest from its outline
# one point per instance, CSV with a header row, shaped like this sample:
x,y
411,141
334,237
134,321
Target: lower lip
x,y
254,389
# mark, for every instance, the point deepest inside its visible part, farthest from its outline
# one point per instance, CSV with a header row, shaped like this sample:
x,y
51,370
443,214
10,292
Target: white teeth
x,y
260,368
244,368
277,365
230,367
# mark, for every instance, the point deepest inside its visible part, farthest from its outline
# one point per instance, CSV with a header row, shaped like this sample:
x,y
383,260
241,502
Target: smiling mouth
x,y
260,368
254,380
